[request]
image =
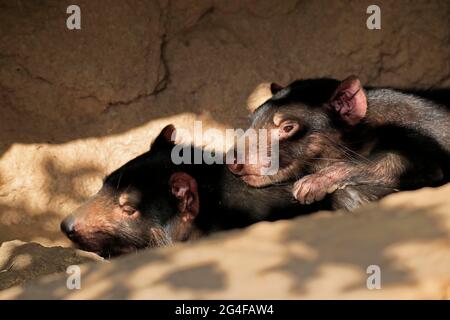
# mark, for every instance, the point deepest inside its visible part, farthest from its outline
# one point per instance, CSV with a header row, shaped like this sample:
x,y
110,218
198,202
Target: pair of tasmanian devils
x,y
340,146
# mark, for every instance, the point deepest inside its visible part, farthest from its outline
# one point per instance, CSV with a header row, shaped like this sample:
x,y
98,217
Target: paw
x,y
315,187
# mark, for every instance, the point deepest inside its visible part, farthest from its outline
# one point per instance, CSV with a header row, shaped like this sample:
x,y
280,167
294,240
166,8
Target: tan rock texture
x,y
325,256
20,261
77,104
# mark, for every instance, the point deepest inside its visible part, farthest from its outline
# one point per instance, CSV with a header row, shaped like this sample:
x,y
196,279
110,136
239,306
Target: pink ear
x,y
184,188
350,101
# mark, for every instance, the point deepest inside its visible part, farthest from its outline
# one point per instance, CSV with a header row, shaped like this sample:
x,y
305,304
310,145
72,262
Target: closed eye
x,y
128,209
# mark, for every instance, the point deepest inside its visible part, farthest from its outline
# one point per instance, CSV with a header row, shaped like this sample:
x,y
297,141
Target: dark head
x,y
145,203
306,117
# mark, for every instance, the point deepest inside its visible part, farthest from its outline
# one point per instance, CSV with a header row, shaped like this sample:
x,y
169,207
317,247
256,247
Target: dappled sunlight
x,y
333,279
55,179
391,235
21,262
325,256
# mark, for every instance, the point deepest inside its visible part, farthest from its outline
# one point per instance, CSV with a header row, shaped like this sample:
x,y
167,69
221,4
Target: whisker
x,y
351,154
356,153
118,181
332,159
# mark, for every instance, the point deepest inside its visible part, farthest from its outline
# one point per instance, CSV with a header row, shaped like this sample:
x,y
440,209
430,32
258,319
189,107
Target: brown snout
x,y
84,224
247,168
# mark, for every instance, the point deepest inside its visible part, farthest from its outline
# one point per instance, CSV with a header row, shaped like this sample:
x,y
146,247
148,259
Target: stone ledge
x,y
322,256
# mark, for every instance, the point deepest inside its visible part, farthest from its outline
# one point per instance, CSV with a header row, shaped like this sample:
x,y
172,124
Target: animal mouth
x,y
256,180
105,248
110,251
283,175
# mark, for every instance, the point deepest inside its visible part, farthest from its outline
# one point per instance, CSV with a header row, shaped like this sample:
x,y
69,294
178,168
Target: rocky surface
x,y
20,261
323,256
77,104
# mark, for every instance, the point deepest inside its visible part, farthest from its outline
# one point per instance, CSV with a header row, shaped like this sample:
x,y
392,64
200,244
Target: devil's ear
x,y
262,93
349,101
184,188
275,88
165,138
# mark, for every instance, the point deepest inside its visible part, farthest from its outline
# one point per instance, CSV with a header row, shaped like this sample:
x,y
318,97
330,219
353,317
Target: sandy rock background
x,y
77,104
23,261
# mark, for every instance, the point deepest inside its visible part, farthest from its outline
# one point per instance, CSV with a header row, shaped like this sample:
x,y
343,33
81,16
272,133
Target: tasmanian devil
x,y
151,202
336,134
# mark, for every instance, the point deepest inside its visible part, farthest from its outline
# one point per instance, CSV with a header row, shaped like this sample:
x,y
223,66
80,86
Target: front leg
x,y
383,170
314,187
353,197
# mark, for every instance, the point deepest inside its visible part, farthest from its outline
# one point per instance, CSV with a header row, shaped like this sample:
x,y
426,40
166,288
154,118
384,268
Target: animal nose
x,y
236,168
68,226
